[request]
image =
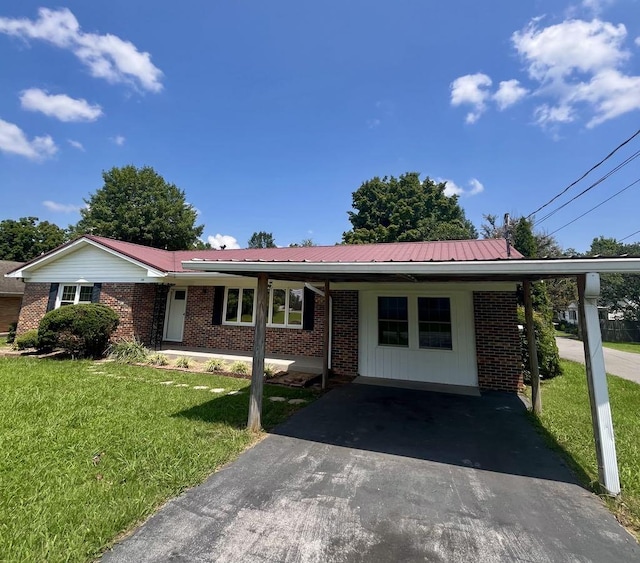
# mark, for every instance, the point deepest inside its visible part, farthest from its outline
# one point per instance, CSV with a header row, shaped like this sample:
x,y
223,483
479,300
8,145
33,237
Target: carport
x,y
333,275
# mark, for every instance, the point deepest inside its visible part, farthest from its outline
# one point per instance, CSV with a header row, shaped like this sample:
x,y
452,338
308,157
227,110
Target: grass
x,y
624,346
566,417
88,450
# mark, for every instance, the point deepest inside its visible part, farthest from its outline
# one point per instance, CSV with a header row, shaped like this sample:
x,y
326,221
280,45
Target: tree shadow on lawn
x,y
233,410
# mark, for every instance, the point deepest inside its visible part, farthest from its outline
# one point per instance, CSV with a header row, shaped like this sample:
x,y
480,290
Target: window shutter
x,y
53,293
218,300
309,309
95,293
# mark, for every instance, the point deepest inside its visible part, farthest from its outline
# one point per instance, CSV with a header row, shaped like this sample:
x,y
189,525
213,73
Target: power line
x,y
629,236
596,183
596,207
585,174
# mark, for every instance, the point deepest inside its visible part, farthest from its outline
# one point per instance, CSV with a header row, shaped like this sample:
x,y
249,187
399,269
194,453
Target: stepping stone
x,y
181,385
201,387
296,401
217,390
166,383
277,399
233,393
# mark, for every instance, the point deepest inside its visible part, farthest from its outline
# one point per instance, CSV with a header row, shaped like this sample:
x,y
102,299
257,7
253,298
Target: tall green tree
x,y
28,238
618,292
261,239
406,209
138,205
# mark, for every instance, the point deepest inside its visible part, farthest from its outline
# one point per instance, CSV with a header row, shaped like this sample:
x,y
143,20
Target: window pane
x,y
68,293
434,322
85,294
180,295
232,305
278,306
393,325
247,306
295,306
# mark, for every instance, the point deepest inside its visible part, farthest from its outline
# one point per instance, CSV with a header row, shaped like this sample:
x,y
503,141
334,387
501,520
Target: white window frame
x,y
253,311
287,309
76,298
270,324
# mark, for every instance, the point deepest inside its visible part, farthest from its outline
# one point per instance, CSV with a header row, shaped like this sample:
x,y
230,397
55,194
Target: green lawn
x,y
567,419
624,346
88,450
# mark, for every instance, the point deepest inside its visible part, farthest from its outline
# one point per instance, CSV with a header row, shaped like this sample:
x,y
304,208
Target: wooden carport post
x,y
588,292
254,422
536,399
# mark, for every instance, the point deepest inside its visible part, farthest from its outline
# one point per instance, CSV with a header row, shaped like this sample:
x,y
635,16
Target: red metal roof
x,y
438,251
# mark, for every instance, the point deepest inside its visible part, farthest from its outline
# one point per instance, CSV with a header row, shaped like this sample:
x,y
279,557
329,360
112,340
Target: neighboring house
x,y
11,291
570,314
457,333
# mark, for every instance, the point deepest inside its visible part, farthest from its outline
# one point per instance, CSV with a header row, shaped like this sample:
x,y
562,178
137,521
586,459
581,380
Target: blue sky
x,y
270,114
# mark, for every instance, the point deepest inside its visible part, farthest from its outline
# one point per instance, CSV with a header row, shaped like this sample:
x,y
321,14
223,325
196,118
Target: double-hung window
x,y
73,294
393,321
285,307
239,306
434,322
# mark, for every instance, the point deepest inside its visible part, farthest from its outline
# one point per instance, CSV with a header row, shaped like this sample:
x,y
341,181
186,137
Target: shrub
x,y
82,330
183,362
548,355
269,371
26,340
215,364
158,360
11,336
240,367
129,351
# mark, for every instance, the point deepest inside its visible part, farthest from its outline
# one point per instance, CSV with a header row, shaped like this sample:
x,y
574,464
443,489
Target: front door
x,y
176,309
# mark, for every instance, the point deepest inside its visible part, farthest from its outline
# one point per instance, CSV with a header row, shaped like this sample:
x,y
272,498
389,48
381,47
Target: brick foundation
x,y
344,359
34,306
497,341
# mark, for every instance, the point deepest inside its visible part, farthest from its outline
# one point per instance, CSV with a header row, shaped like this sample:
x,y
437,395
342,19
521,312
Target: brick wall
x,y
132,302
497,341
9,310
199,331
134,305
34,306
344,359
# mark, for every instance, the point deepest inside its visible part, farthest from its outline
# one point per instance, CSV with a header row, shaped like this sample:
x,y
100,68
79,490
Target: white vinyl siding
x,y
455,365
89,264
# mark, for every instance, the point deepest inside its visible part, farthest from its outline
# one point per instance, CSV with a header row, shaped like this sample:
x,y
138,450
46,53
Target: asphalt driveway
x,y
378,474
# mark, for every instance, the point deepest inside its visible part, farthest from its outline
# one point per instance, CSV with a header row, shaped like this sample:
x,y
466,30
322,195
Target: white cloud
x,y
13,140
106,56
596,6
373,123
60,106
118,140
574,46
637,41
471,89
218,241
476,187
76,144
509,92
451,188
61,207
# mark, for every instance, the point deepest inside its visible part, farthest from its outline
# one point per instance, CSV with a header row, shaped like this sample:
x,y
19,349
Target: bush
x,y
548,355
240,367
269,371
11,336
128,351
215,364
27,340
82,330
158,360
183,362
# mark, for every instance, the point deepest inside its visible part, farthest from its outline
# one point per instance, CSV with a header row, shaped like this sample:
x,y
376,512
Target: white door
x,y
176,309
